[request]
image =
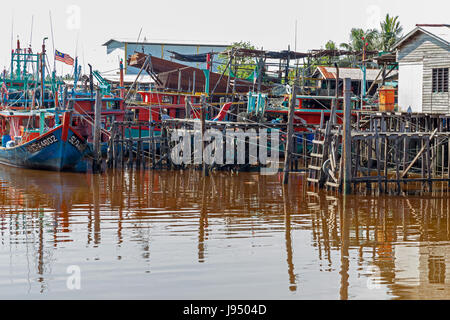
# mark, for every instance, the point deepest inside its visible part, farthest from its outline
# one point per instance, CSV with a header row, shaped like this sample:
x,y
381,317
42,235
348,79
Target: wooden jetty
x,y
378,151
154,149
388,149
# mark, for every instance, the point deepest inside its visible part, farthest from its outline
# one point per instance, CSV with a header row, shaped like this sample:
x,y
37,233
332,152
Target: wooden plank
x,y
331,184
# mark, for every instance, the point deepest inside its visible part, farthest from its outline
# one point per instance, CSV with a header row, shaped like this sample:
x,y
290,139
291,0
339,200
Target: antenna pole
x,y
42,72
12,31
31,32
139,36
53,41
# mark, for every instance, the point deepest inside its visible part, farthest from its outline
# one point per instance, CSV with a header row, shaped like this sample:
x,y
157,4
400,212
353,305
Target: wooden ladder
x,y
317,157
333,174
324,149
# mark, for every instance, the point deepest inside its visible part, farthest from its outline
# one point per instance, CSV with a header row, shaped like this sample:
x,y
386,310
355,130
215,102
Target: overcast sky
x,y
268,24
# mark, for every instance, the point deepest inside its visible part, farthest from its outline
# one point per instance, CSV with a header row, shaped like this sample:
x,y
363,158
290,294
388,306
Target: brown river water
x,y
177,235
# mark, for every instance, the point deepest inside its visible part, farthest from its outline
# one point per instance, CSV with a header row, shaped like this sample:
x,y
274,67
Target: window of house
x,y
440,80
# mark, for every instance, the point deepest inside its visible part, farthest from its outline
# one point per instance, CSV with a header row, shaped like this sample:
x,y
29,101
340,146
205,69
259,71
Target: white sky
x,y
268,24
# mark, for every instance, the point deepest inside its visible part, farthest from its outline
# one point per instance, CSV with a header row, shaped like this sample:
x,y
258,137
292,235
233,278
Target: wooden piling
x,y
203,129
346,139
96,164
290,133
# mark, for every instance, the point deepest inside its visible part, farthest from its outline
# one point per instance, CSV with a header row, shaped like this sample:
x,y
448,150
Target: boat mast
x,y
122,87
43,71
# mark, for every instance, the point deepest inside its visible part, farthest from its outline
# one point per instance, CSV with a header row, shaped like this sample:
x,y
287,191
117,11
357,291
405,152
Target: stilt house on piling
x,y
424,62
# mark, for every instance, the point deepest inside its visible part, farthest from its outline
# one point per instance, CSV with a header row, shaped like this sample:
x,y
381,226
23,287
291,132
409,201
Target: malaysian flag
x,y
63,58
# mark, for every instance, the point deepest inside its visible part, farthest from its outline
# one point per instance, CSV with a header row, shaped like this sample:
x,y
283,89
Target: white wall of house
x,y
410,81
417,58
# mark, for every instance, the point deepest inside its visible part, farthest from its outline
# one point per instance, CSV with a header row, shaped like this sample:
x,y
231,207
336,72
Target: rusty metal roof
x,y
329,73
242,52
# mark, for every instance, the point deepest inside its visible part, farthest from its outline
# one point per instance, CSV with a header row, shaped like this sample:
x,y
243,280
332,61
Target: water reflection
x,y
234,236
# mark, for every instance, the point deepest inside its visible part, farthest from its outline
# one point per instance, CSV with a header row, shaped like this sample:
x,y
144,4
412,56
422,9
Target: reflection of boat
x,y
59,149
50,185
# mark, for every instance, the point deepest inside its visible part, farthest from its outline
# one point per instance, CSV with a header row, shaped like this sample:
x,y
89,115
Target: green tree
x,y
242,67
325,60
391,32
359,37
331,45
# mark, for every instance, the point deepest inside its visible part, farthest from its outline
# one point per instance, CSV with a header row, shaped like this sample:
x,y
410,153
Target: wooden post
x,y
139,149
187,107
369,143
122,146
429,165
193,83
203,126
111,147
151,145
290,133
397,163
347,138
116,146
152,137
96,165
179,86
448,161
130,146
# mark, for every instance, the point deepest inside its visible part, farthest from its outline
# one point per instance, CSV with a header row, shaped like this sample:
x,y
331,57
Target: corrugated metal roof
x,y
169,42
440,32
329,73
129,78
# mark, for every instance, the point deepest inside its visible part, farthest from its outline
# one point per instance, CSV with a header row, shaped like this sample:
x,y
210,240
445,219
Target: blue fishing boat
x,y
59,148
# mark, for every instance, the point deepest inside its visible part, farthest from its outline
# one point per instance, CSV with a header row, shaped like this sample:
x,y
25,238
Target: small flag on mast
x,y
63,57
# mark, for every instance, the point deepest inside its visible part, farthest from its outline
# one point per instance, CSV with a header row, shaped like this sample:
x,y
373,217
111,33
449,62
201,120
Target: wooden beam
x,y
418,155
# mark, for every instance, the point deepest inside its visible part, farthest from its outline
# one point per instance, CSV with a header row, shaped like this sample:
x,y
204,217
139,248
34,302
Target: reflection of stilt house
x,y
424,61
423,273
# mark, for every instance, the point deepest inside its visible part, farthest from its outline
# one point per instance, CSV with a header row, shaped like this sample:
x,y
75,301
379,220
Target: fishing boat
x,y
21,91
58,148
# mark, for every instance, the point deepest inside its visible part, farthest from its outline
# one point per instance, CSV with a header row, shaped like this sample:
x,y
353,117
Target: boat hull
x,y
56,150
